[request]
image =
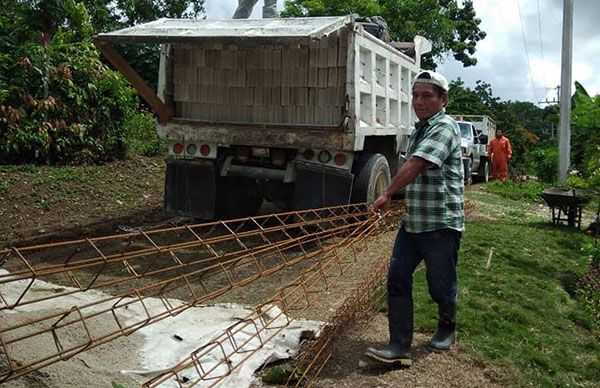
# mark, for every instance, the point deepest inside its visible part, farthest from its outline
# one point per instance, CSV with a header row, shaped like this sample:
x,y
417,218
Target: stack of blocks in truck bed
x,y
271,84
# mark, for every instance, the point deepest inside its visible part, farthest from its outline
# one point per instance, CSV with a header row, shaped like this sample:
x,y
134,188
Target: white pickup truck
x,y
302,112
476,131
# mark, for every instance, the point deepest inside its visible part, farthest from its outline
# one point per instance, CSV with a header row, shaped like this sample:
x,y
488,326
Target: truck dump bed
x,y
300,73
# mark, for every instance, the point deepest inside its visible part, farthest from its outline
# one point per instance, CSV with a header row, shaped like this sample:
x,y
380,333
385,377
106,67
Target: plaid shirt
x,y
435,199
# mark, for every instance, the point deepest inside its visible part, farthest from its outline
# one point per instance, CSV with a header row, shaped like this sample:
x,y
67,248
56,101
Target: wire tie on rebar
x,y
202,241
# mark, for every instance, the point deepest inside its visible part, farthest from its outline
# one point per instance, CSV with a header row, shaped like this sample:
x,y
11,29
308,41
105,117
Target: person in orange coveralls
x,y
500,152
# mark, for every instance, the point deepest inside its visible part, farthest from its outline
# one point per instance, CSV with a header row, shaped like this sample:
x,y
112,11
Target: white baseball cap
x,y
431,77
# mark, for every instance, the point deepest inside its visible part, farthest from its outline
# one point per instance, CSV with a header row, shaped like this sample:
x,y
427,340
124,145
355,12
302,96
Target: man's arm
x,y
405,176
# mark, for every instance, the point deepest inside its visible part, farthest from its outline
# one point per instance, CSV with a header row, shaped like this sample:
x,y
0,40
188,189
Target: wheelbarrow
x,y
567,204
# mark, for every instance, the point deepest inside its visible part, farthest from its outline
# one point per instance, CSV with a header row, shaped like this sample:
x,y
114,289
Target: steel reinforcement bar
x,y
92,263
259,262
360,303
215,360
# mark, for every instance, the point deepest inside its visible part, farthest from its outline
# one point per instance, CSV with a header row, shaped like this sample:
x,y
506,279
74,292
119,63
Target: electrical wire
x,y
526,50
539,14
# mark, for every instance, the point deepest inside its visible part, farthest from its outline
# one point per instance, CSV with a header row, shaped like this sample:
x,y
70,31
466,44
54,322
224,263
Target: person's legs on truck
x,y
403,262
244,9
439,250
270,9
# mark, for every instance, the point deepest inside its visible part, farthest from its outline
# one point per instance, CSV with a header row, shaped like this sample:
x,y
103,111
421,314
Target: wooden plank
x,y
304,57
276,78
163,111
313,55
332,52
312,97
332,78
295,58
323,73
276,58
313,77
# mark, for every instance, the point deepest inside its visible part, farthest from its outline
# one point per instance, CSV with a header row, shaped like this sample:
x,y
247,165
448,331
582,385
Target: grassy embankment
x,y
520,312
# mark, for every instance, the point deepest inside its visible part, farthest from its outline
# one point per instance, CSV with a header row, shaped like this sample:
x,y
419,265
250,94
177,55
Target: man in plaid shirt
x,y
432,228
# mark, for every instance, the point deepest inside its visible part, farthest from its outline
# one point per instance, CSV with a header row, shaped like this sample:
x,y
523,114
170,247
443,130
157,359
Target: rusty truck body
x,y
302,112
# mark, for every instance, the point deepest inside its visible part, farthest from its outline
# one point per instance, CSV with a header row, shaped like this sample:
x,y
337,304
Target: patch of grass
x,y
277,375
520,311
4,185
528,191
68,174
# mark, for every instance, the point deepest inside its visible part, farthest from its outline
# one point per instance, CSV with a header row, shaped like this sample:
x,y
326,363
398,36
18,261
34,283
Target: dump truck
x,y
476,131
301,112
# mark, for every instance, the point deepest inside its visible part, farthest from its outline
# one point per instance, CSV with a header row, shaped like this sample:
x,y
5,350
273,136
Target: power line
x,y
526,50
541,43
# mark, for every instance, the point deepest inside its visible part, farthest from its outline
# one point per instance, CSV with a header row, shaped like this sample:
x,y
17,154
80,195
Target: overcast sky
x,y
502,55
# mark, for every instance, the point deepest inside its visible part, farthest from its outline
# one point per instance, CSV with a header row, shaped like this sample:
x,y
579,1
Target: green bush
x,y
588,286
543,162
140,135
58,102
528,191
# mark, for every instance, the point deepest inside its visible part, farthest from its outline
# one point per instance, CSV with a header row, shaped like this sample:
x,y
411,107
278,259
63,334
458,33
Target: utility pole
x,y
564,140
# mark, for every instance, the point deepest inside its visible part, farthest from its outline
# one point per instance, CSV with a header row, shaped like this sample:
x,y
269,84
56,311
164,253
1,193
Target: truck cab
x,y
475,133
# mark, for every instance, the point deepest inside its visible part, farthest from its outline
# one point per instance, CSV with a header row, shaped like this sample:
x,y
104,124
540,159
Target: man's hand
x,y
382,203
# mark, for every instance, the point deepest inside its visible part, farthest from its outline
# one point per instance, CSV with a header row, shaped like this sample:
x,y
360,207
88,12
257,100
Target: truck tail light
x,y
191,149
177,148
324,156
278,158
205,150
308,154
339,159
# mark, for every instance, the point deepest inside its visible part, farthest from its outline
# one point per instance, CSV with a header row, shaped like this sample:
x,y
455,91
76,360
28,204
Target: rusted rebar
x,y
214,361
246,262
91,263
360,303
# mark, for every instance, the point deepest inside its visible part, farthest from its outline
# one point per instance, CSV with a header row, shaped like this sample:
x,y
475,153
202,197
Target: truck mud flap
x,y
319,186
190,189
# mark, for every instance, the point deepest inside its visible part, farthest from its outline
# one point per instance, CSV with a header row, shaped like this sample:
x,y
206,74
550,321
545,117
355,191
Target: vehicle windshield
x,y
465,130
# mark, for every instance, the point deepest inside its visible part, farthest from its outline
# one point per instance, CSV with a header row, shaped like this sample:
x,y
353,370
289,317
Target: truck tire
x,y
468,165
483,175
237,197
372,177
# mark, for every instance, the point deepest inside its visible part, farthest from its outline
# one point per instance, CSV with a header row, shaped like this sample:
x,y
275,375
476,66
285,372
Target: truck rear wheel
x,y
483,175
372,177
238,197
467,167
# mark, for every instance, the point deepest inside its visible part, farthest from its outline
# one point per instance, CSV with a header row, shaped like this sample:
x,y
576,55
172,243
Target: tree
x,y
452,29
585,135
108,15
463,100
58,102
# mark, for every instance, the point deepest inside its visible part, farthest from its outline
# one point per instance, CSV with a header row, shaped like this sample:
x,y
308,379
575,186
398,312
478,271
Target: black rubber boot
x,y
400,318
445,335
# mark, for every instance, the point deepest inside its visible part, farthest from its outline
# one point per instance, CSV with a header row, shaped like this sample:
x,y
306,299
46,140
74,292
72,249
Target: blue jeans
x,y
439,250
